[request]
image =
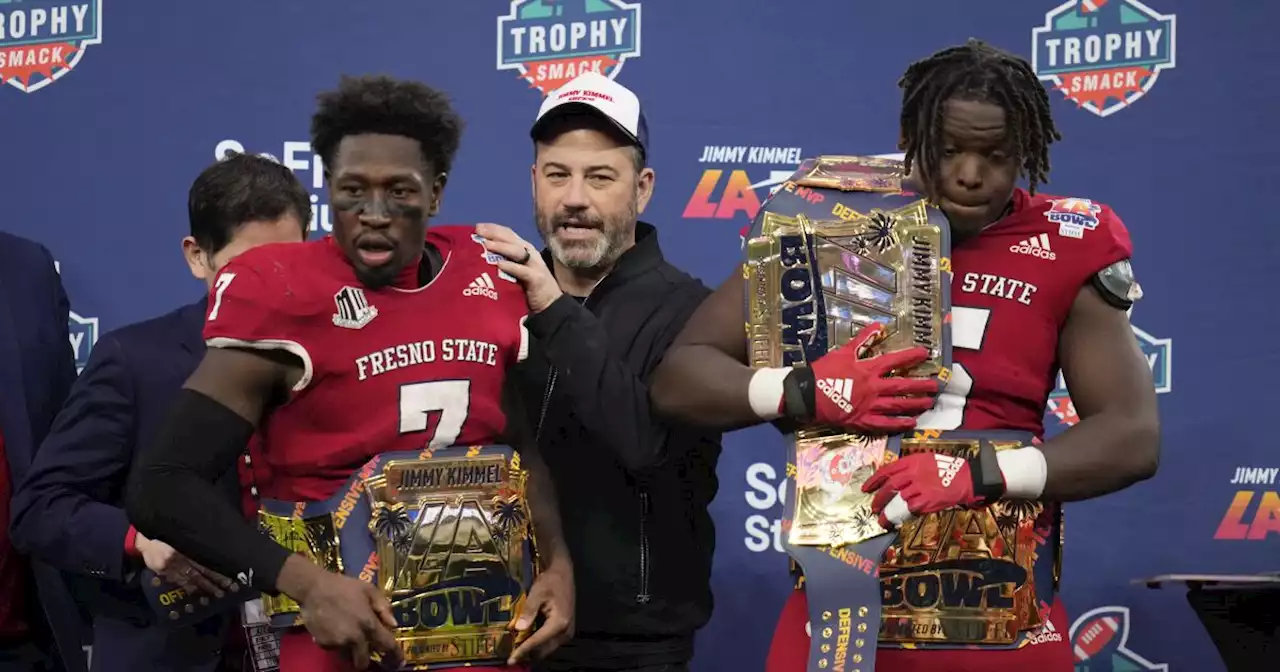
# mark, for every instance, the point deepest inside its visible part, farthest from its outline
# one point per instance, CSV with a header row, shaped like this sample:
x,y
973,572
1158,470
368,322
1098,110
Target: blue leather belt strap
x,y
843,590
844,604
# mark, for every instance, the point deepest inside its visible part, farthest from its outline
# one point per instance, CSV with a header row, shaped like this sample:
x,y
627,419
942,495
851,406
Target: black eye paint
x,y
376,206
410,211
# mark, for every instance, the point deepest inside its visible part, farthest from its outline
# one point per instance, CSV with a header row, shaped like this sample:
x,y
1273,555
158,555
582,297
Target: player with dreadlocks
x,y
1039,283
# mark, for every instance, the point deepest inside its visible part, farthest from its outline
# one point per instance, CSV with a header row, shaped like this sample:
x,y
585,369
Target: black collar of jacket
x,y
642,257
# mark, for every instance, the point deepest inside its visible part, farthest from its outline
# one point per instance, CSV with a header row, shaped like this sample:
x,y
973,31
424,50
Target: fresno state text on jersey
x,y
388,368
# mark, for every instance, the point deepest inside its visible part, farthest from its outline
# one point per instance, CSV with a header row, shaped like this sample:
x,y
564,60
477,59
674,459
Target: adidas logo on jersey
x,y
1044,634
1036,246
481,286
839,391
948,467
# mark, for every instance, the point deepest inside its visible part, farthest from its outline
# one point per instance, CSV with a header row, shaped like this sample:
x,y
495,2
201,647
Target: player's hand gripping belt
x,y
845,388
924,483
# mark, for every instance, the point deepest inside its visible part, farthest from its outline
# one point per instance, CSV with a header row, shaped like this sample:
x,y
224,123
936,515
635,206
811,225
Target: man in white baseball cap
x,y
604,306
593,93
590,115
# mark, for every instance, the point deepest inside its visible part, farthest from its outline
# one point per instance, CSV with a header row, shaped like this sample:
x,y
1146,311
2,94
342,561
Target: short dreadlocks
x,y
389,107
977,71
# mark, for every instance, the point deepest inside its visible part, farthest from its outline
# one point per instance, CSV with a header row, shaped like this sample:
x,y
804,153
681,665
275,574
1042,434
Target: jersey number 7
x,y
220,287
445,401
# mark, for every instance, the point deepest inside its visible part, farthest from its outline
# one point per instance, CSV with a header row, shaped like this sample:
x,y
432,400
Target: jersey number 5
x,y
420,402
968,328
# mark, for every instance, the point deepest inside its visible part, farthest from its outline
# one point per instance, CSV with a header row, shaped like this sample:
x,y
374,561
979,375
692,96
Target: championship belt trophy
x,y
444,533
838,247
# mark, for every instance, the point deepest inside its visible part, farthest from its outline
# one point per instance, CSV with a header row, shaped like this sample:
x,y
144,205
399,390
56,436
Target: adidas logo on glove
x,y
839,391
948,467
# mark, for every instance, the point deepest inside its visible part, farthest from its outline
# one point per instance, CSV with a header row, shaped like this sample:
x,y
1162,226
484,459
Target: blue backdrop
x,y
112,109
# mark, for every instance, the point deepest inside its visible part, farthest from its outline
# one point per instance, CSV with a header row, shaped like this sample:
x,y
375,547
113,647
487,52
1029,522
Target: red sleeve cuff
x,y
131,543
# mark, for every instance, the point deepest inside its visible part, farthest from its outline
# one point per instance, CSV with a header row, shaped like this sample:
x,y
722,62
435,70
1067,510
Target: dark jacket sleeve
x,y
64,371
518,432
609,396
543,504
58,511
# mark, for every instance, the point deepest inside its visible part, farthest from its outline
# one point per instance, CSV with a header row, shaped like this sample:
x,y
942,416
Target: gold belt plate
x,y
963,576
840,247
450,546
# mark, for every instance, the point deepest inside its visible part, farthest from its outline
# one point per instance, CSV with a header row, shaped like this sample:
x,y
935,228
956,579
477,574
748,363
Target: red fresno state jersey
x,y
383,369
1012,288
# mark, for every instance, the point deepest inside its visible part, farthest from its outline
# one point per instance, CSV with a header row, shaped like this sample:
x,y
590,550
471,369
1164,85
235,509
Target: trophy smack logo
x,y
1103,55
1159,354
549,42
43,40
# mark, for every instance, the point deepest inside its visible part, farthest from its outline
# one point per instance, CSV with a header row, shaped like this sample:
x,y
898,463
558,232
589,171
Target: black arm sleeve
x,y
610,396
172,496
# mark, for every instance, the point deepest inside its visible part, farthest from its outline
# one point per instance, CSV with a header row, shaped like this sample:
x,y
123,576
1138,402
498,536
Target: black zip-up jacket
x,y
633,492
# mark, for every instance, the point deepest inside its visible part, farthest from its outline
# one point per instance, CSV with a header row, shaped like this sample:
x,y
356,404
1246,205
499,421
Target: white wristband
x,y
1025,472
765,392
897,511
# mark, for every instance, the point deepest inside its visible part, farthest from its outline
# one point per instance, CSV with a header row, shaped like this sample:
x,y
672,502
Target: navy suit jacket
x,y
37,367
69,509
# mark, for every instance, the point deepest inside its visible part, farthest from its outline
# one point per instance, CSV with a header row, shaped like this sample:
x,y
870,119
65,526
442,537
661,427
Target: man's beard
x,y
598,252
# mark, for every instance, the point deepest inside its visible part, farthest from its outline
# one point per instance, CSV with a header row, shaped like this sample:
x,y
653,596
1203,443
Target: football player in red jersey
x,y
381,337
1038,283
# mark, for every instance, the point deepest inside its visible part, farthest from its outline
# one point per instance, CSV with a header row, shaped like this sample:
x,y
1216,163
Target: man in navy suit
x,y
39,622
68,510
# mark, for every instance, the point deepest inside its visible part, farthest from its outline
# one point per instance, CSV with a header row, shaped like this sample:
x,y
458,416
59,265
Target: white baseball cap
x,y
594,93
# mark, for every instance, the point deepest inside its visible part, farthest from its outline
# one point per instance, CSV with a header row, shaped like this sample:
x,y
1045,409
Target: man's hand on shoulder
x,y
524,263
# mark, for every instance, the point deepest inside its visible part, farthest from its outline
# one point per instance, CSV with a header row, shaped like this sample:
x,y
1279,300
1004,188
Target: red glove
x,y
920,484
859,393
